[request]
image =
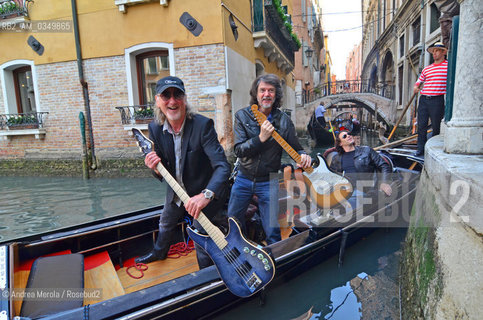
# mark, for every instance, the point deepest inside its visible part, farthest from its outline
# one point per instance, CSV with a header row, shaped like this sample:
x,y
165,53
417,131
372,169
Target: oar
x,y
395,142
401,117
332,129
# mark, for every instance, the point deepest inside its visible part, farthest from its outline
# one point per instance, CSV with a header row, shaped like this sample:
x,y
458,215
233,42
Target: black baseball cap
x,y
169,82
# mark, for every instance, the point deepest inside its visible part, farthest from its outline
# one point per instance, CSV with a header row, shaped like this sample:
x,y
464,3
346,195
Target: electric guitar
x,y
327,188
244,268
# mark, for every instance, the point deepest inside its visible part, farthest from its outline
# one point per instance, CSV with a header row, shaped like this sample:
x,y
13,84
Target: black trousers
x,y
168,221
430,107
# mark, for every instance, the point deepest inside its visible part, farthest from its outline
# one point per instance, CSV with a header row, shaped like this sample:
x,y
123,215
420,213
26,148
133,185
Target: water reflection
x,y
326,288
31,205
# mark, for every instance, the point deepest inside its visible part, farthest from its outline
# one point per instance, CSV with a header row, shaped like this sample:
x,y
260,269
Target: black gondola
x,y
189,293
318,133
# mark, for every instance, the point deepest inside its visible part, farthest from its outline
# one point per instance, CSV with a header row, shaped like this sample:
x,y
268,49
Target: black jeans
x,y
430,107
168,221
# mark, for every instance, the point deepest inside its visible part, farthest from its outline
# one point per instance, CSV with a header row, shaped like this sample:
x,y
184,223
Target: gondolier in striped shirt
x,y
431,85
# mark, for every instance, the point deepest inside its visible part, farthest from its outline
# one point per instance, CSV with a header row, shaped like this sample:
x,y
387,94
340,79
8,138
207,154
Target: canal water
x,y
31,205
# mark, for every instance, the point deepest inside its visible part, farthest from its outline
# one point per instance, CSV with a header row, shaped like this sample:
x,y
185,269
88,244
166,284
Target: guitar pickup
x,y
244,268
232,254
253,282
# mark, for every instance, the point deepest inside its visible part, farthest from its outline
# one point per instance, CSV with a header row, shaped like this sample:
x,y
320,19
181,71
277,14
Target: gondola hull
x,y
194,295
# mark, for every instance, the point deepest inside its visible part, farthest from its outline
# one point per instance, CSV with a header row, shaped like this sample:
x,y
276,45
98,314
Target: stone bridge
x,y
385,108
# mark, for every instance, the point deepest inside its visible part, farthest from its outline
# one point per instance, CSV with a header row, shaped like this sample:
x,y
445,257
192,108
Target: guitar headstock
x,y
145,145
258,115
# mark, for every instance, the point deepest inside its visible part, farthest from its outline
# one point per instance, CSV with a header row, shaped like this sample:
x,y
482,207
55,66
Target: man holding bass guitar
x,y
260,155
187,145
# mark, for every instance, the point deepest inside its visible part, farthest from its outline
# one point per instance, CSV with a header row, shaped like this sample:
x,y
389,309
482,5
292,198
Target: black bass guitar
x,y
327,188
244,268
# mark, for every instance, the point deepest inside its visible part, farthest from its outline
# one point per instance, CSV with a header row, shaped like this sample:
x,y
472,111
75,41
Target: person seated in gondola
x,y
319,114
358,163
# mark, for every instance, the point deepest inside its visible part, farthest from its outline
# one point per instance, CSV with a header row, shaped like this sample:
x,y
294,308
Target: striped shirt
x,y
434,78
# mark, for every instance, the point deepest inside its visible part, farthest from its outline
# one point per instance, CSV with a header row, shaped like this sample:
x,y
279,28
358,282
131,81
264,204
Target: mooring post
x,y
85,164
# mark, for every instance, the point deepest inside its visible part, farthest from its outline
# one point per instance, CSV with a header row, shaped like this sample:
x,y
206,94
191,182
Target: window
x,y
24,90
151,66
400,83
19,85
146,63
416,27
435,14
401,46
259,68
384,8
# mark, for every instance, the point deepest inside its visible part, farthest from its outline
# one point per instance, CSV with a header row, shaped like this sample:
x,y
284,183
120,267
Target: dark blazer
x,y
203,164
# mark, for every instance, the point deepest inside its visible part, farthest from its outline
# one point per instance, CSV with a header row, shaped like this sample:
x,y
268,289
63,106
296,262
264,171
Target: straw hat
x,y
437,45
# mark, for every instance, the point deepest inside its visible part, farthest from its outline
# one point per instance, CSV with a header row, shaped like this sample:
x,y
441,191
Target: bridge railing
x,y
383,89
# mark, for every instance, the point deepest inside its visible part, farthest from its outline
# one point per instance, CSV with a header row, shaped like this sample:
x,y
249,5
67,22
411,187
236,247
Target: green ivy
x,y
8,7
288,25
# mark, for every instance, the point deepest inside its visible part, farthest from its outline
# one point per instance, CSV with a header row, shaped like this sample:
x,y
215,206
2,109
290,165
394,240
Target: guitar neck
x,y
291,151
215,234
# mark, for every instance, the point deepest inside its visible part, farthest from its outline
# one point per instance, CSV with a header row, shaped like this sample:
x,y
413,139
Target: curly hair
x,y
271,79
338,147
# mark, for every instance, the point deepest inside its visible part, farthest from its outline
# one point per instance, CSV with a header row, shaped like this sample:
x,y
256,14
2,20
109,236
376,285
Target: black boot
x,y
150,257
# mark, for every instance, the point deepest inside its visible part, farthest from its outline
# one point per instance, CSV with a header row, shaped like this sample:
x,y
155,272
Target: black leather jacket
x,y
257,159
366,160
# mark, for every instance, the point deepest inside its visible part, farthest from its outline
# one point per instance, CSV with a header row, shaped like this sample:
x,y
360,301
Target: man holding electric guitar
x,y
187,146
260,155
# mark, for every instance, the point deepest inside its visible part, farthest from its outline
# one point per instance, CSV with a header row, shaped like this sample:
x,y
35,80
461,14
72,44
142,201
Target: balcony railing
x,y
12,9
138,114
386,90
267,20
20,121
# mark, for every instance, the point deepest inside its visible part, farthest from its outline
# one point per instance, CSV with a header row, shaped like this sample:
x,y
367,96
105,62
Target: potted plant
x,y
143,115
27,121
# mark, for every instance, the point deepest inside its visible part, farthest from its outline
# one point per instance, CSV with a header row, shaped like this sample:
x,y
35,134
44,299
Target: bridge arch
x,y
367,101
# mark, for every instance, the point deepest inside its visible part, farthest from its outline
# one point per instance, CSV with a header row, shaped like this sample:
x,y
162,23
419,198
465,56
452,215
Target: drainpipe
x,y
85,89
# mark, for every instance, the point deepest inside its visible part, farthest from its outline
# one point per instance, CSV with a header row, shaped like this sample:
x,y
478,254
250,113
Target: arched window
x,y
146,63
259,69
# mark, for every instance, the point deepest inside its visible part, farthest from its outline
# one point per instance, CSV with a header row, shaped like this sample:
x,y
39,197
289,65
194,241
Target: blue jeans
x,y
267,192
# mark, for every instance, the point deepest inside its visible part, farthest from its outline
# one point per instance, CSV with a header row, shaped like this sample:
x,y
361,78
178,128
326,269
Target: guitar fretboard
x,y
215,234
281,141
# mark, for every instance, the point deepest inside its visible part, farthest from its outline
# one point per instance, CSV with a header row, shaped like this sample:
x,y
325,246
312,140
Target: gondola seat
x,y
51,279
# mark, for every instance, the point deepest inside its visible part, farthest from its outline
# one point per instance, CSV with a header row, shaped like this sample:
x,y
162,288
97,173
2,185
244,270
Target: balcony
x,y
138,116
271,34
14,12
20,124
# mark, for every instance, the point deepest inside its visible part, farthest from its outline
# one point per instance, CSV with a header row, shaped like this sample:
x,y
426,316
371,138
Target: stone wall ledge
x,y
458,178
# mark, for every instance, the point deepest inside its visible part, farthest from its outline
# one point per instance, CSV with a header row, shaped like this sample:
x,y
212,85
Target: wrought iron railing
x,y
17,121
136,114
12,9
386,90
266,18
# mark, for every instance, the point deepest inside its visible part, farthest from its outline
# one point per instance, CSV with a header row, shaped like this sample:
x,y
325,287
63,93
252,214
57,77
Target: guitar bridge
x,y
253,282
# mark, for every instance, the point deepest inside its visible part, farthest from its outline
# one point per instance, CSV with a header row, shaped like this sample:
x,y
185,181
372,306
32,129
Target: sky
x,y
340,43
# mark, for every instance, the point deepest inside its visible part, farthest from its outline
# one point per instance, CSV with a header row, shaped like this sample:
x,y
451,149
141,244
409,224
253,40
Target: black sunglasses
x,y
345,135
177,95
